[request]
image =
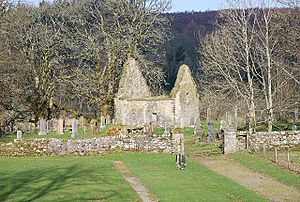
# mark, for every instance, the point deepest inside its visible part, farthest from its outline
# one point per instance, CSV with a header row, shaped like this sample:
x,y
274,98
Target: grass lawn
x,y
62,179
95,178
159,174
53,134
267,168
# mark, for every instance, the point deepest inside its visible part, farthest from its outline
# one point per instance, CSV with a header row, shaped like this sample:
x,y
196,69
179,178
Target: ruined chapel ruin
x,y
135,106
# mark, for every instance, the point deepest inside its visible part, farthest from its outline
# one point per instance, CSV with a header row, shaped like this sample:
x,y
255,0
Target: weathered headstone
x,y
42,126
212,136
108,120
93,126
84,132
102,122
74,128
197,126
167,128
60,126
82,122
19,134
179,145
294,127
181,122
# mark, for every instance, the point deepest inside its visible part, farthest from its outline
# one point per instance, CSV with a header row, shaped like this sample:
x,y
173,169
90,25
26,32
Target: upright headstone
x,y
42,126
47,126
93,126
181,123
212,136
179,145
19,134
74,128
60,126
102,122
108,120
82,122
197,126
167,128
295,127
84,132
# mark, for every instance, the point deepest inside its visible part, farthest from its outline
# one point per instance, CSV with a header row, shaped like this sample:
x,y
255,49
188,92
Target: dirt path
x,y
135,183
267,187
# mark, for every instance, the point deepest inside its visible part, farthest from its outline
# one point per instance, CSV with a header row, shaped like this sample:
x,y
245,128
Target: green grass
x,y
159,173
267,168
62,179
277,126
96,179
53,134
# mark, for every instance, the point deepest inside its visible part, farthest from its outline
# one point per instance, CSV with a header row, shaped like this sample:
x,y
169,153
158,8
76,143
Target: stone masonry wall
x,y
55,147
283,139
141,112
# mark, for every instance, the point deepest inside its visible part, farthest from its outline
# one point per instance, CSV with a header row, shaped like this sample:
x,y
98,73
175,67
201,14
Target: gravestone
x,y
102,122
19,134
108,120
82,122
179,145
42,126
294,127
47,126
7,129
74,128
181,123
197,126
60,126
93,126
212,136
167,128
84,132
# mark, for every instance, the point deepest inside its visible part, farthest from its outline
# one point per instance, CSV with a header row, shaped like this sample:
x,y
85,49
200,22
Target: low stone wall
x,y
260,140
55,147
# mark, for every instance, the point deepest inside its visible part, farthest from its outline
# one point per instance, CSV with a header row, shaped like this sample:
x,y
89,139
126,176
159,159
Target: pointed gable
x,y
184,81
132,84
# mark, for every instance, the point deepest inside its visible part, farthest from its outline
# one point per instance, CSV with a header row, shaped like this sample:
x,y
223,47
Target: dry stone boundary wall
x,y
260,140
56,147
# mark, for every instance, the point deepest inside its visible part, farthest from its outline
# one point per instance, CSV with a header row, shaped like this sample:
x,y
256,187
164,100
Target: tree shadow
x,y
38,184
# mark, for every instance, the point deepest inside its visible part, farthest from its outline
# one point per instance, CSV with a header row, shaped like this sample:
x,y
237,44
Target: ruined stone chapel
x,y
135,106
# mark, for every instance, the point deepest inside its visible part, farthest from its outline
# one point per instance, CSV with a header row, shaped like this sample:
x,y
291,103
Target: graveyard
x,y
149,100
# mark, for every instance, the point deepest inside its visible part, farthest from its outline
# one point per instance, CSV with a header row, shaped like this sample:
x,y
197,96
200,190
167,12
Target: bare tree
x,y
110,32
227,56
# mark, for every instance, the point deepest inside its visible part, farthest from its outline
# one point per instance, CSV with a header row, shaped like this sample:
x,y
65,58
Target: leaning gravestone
x,y
19,134
74,128
42,126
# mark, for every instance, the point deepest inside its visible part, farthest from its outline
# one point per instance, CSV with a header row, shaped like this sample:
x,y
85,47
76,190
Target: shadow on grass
x,y
71,183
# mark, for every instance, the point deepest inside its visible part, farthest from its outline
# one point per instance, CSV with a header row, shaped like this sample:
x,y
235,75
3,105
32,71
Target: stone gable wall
x,y
132,83
141,112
